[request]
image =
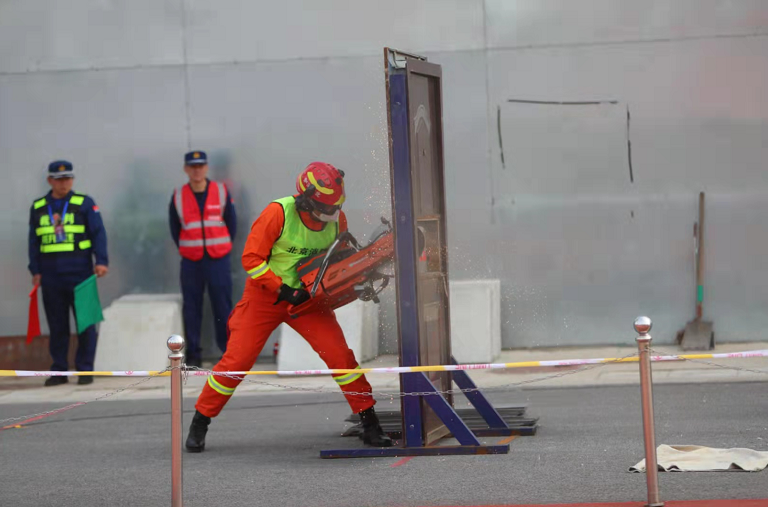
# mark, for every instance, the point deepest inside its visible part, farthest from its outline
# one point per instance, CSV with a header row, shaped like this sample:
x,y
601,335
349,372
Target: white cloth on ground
x,y
696,458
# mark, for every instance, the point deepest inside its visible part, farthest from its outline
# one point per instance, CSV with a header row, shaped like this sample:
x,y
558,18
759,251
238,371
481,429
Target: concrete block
x,y
135,330
475,320
359,321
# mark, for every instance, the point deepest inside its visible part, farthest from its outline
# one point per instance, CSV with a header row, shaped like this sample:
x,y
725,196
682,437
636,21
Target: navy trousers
x,y
58,299
195,276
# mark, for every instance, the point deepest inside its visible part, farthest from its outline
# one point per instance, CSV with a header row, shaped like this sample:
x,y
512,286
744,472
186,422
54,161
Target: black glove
x,y
293,296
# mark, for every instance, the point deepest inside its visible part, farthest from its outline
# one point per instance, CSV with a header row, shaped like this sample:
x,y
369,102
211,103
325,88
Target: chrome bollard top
x,y
175,343
643,325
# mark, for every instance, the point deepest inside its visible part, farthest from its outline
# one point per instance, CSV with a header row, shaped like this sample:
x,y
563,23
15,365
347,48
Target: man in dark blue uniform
x,y
203,225
65,235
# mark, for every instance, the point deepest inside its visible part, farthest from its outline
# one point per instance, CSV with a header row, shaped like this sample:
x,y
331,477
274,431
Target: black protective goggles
x,y
325,209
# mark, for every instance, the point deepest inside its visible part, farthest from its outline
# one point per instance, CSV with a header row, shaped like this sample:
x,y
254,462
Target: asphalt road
x,y
263,451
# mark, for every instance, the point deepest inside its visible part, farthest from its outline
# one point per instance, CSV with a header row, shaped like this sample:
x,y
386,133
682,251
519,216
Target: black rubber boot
x,y
56,381
373,435
197,431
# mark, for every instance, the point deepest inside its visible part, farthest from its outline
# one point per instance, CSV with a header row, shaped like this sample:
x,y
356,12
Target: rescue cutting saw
x,y
347,271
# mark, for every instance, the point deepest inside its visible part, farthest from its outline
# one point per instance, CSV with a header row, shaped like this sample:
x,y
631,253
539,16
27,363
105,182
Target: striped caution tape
x,y
127,373
394,369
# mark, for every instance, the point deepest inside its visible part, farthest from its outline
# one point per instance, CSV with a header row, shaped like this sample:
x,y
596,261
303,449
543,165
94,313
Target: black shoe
x,y
56,381
197,431
85,379
373,435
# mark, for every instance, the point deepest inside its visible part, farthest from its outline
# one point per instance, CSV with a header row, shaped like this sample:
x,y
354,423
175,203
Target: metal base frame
x,y
497,426
468,441
394,452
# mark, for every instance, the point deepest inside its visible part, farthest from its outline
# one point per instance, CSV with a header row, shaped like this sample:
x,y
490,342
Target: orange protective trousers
x,y
250,325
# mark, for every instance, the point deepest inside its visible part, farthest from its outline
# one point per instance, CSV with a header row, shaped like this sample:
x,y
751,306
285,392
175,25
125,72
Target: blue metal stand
x,y
417,386
497,426
404,251
469,444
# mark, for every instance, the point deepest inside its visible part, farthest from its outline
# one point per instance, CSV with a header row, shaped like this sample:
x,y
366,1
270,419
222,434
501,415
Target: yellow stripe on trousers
x,y
221,389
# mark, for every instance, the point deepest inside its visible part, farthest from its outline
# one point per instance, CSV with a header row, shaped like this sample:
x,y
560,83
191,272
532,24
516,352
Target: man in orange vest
x,y
203,225
288,230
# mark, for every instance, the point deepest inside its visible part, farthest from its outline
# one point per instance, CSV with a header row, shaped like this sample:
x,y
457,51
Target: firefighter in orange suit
x,y
288,230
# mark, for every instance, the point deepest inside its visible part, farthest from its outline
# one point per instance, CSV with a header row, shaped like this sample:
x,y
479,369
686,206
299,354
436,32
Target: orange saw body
x,y
345,272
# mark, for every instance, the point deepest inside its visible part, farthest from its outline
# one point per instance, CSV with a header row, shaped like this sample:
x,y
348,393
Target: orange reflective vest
x,y
208,233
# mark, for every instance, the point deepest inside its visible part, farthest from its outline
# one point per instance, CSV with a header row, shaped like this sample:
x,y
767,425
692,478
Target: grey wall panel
x,y
555,149
697,111
698,123
580,249
125,133
89,34
465,135
273,124
736,265
577,271
521,23
237,31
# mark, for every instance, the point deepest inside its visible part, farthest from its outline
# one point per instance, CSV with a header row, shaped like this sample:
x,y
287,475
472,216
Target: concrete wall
x,y
124,88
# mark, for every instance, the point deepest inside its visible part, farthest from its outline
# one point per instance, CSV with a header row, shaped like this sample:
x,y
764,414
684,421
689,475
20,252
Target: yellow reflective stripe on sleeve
x,y
59,247
44,230
348,378
259,270
74,228
77,200
85,245
216,386
39,203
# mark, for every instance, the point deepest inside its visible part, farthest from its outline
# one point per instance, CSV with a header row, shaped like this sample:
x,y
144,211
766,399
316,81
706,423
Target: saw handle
x,y
345,236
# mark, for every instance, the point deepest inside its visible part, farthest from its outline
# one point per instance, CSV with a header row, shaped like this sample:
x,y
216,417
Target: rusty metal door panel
x,y
426,140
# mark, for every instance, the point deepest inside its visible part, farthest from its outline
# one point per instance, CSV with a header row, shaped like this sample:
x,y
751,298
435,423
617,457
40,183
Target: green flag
x,y
87,304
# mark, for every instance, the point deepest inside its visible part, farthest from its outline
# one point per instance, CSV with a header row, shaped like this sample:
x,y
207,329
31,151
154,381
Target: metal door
x,y
414,106
426,139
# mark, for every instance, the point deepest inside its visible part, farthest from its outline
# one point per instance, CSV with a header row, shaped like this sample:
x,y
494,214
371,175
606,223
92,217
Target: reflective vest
x,y
75,239
208,233
296,242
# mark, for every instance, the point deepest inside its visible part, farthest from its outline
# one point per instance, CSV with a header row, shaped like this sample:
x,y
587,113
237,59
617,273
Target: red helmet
x,y
327,181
